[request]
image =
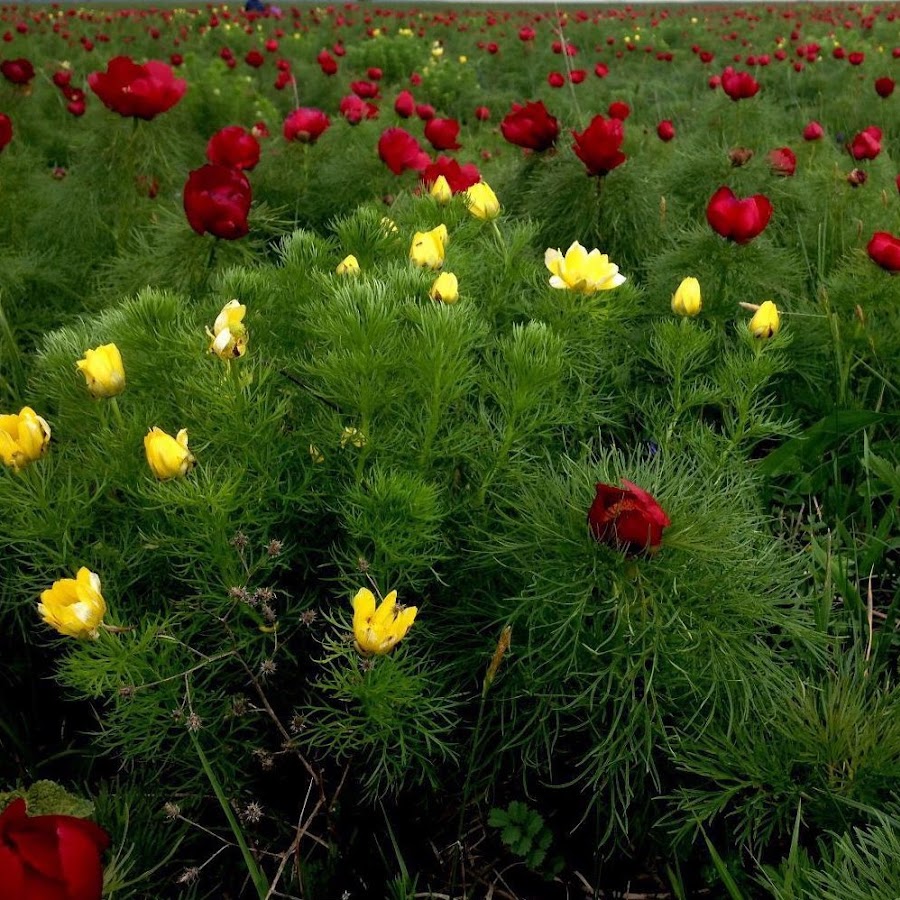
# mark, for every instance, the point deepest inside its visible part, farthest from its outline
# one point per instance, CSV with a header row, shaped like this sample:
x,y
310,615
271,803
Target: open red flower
x,y
598,145
739,85
50,857
460,178
400,151
6,130
884,250
405,104
442,134
142,91
619,109
627,517
17,71
217,200
813,132
233,146
884,87
735,219
530,126
783,161
866,144
305,125
665,131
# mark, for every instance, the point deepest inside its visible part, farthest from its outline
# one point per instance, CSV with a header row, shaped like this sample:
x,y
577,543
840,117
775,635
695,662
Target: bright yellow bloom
x,y
167,456
23,438
482,201
686,301
427,249
440,190
765,321
377,630
581,271
445,288
349,265
229,335
103,371
74,606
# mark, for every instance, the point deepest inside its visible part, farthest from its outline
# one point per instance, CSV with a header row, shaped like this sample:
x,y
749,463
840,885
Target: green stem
x,y
117,413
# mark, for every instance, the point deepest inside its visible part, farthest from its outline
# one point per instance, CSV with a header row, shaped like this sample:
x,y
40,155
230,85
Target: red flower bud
x,y
627,517
217,200
884,250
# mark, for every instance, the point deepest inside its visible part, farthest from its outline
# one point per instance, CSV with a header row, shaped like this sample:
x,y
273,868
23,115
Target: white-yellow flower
x,y
581,271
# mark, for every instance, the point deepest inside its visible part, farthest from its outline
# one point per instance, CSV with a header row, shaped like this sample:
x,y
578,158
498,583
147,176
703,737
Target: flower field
x,y
449,452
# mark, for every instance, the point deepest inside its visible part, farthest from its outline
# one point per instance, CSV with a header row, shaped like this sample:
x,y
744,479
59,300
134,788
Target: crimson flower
x,y
527,33
601,70
233,146
665,131
6,130
739,85
254,59
442,134
327,63
627,517
735,219
856,58
460,178
17,71
142,91
305,125
884,87
482,113
400,151
424,111
50,857
217,200
884,250
354,110
620,110
783,161
405,104
866,144
530,126
365,90
598,145
556,79
813,132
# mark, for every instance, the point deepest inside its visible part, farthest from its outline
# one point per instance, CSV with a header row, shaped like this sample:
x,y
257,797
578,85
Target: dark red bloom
x,y
217,200
556,79
813,132
405,104
365,90
424,111
327,63
866,144
665,131
527,33
627,517
374,73
254,59
400,151
576,76
738,220
6,130
601,70
530,126
783,161
739,85
143,91
482,113
442,134
884,87
598,145
62,78
856,58
17,71
233,146
353,109
305,125
460,178
619,110
50,857
884,250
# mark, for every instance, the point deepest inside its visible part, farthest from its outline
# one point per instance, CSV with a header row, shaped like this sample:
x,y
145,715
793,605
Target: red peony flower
x,y
405,104
665,131
577,76
233,146
738,220
482,113
619,110
813,132
627,517
527,33
400,151
442,134
305,125
50,857
598,145
143,91
884,250
530,126
353,109
556,79
884,87
217,200
856,58
327,63
254,59
365,90
460,178
783,161
17,71
866,144
6,130
424,111
739,85
601,70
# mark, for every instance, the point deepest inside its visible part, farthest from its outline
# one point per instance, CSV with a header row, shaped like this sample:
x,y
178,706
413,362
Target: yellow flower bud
x,y
427,249
103,371
74,606
445,288
352,436
440,190
482,201
24,438
167,456
388,226
581,271
229,335
686,301
765,321
377,630
348,266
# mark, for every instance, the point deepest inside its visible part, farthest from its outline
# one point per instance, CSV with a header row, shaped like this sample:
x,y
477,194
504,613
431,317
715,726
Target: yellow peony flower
x,y
445,288
427,249
765,321
74,606
229,335
349,265
482,201
23,438
377,630
440,190
103,371
581,271
686,301
167,456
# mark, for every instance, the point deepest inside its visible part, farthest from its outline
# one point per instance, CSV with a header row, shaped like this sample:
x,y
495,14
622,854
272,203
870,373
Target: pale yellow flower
x,y
349,265
445,288
378,629
103,371
74,606
765,321
581,271
352,436
482,201
167,456
24,438
315,454
440,190
428,247
686,301
229,335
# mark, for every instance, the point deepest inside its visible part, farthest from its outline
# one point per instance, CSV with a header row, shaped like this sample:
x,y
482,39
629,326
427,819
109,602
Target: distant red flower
x,y
530,126
17,71
424,111
353,109
527,33
141,91
619,110
365,90
884,250
482,113
735,219
884,87
556,79
739,85
233,146
665,131
404,105
601,70
217,200
260,130
627,517
6,130
400,151
62,78
813,132
866,144
327,63
598,145
442,134
576,76
254,59
856,58
459,177
492,48
783,161
373,73
305,125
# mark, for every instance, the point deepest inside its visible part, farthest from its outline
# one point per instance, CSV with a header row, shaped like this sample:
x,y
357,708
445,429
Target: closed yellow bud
x,y
74,606
765,321
440,190
445,288
103,371
24,438
482,201
686,301
167,456
427,248
348,266
377,630
229,335
352,436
